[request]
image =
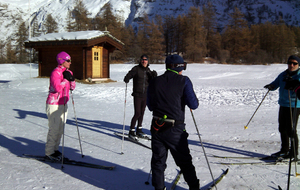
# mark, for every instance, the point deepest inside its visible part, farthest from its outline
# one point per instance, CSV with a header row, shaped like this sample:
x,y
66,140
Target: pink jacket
x,y
59,87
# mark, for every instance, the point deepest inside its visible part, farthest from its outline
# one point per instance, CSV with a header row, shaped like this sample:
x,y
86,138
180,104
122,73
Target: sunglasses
x,y
144,59
68,60
294,63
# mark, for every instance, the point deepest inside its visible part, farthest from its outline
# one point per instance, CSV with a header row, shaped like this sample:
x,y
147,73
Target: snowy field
x,y
228,96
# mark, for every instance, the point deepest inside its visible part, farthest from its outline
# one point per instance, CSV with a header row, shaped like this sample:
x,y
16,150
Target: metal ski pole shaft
x,y
63,139
124,119
246,126
77,125
293,125
203,149
147,182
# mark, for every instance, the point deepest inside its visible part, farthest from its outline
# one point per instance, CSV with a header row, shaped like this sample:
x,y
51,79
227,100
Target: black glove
x,y
291,84
68,76
126,80
269,86
154,73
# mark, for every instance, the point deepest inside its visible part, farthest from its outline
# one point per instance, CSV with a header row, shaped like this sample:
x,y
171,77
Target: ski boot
x,y
132,135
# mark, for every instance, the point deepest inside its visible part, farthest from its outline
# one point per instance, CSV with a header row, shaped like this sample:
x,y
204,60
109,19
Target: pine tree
x,y
237,37
213,38
35,30
128,38
21,36
296,30
2,52
10,53
142,34
80,13
70,22
196,44
181,31
169,32
285,43
50,25
155,46
108,21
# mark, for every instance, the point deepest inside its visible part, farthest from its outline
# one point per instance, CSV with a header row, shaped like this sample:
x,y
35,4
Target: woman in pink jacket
x,y
61,82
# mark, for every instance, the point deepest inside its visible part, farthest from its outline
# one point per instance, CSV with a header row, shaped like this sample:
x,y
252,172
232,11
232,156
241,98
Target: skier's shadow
x,y
109,128
104,179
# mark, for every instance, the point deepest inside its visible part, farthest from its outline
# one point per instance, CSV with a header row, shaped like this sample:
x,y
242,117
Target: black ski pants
x,y
175,140
285,128
139,109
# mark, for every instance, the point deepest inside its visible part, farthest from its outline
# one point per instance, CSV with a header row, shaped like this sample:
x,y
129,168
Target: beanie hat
x,y
144,55
62,57
294,58
175,62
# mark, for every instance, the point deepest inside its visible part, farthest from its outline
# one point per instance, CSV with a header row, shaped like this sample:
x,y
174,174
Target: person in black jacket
x,y
167,96
141,75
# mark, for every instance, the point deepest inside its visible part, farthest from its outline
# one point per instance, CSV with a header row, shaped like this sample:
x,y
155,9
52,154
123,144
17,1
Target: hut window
x,y
96,56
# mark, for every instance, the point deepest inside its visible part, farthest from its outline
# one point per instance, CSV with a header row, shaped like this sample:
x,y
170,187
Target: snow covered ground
x,y
228,96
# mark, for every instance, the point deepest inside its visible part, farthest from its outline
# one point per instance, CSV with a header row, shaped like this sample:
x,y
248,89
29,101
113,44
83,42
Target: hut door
x,y
97,62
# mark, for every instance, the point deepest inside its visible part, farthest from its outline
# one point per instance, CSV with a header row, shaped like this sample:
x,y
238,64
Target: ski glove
x,y
154,73
126,80
151,74
269,86
292,84
68,76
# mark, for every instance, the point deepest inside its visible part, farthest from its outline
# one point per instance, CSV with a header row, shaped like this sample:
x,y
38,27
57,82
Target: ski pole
x,y
76,124
63,139
203,149
293,125
124,119
246,126
147,182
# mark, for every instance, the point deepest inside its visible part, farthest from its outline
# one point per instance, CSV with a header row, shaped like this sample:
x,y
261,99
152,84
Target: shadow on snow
x,y
17,147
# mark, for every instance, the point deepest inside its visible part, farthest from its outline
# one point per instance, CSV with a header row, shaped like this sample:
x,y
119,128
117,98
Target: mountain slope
x,y
131,11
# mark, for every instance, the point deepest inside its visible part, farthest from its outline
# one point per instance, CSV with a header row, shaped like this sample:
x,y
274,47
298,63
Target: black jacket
x,y
141,76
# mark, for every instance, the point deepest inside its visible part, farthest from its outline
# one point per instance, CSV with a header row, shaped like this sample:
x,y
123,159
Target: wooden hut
x,y
89,51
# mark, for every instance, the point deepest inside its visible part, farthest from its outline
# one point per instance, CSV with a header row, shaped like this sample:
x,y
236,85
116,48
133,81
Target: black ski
x,y
218,179
176,180
132,140
266,162
246,157
68,162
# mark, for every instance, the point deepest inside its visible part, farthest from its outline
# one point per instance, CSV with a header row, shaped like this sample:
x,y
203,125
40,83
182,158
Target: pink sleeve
x,y
72,85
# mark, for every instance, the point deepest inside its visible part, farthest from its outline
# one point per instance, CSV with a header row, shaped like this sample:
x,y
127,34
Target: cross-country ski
x,y
136,141
68,162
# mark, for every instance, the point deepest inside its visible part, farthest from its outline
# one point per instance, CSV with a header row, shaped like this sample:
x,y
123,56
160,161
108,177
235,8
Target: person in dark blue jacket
x,y
287,101
168,94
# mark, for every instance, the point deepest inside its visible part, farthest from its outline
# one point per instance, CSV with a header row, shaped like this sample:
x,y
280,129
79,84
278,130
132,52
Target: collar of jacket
x,y
172,71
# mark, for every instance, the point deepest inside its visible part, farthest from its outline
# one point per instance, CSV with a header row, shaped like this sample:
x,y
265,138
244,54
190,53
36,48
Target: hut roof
x,y
82,37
